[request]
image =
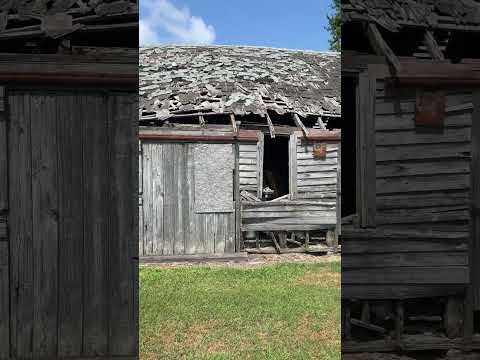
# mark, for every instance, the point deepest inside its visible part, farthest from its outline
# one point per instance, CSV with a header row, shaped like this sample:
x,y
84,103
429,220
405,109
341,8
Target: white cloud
x,y
163,22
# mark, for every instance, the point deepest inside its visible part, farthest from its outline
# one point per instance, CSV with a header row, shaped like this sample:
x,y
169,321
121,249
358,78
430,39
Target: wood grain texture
x,y
96,226
3,153
4,302
21,222
407,275
73,225
71,220
475,202
123,334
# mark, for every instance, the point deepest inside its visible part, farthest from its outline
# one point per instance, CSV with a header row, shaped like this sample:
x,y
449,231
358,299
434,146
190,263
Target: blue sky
x,y
289,24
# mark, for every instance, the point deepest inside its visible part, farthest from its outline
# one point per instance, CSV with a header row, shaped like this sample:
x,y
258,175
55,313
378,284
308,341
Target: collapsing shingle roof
x,y
239,80
56,18
395,14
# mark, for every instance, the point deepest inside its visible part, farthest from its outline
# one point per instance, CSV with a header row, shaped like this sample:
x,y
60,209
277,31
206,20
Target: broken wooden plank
x,y
270,126
300,124
274,239
234,124
368,326
432,46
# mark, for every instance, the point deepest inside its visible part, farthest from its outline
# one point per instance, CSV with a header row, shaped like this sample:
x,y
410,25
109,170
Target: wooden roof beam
x,y
321,123
300,124
432,46
234,124
381,47
270,126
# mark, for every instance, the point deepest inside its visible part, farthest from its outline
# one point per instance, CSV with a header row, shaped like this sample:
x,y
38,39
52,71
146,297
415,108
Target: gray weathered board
x,y
172,225
72,226
423,180
214,165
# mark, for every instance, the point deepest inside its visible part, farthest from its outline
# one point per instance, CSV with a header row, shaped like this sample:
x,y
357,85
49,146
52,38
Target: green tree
x,y
335,26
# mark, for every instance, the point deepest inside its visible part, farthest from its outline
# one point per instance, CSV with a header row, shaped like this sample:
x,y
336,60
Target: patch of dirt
x,y
254,260
321,279
304,330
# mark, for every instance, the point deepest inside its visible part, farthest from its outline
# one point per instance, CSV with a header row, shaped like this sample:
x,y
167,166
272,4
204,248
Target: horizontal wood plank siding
x,y
316,178
423,180
249,167
289,215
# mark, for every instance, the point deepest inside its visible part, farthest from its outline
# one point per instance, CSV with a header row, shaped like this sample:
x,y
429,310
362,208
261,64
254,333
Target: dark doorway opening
x,y
275,165
348,145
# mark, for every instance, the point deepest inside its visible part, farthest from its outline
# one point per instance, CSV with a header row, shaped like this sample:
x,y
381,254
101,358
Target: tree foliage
x,y
335,26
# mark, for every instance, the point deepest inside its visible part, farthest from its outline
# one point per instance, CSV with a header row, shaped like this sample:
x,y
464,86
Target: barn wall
x,y
313,193
172,225
422,189
72,225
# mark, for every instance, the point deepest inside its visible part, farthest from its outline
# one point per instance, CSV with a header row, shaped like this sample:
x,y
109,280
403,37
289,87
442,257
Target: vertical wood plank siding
x,y
4,273
72,225
168,197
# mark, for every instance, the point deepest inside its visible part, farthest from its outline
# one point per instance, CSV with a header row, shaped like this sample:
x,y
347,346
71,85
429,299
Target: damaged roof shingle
x,y
395,14
242,80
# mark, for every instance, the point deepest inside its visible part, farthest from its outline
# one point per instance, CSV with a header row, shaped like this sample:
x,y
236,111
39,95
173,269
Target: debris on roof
x,y
55,18
239,80
395,14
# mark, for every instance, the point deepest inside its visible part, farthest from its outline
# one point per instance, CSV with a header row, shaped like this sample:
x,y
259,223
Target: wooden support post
x,y
321,123
432,46
300,124
257,240
234,124
201,120
453,317
331,239
381,47
283,239
270,126
307,239
275,242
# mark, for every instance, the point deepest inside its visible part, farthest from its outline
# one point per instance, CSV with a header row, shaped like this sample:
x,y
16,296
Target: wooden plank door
x,y
174,183
73,224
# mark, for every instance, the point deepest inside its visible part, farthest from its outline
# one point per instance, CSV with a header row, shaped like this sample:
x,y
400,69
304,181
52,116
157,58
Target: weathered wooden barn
x,y
68,180
411,175
238,150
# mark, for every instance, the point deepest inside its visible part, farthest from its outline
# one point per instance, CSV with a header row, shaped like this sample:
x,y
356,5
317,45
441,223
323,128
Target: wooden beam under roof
x,y
270,126
321,123
234,124
300,124
432,46
381,47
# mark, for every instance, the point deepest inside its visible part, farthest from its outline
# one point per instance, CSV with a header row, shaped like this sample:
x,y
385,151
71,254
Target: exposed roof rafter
x,y
381,47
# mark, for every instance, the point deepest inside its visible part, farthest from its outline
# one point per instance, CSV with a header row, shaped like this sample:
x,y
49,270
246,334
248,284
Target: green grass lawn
x,y
284,311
